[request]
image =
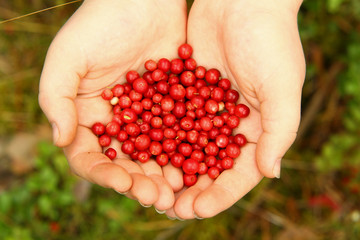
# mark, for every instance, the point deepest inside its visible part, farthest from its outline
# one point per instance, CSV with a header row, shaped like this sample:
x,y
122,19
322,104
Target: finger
x,y
230,186
166,196
170,213
184,205
86,160
174,177
280,118
143,188
58,88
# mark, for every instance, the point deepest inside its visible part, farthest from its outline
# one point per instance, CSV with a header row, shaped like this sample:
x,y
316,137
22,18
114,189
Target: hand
x,y
98,45
256,45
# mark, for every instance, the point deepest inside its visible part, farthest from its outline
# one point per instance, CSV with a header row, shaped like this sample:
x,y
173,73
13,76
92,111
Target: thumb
x,y
280,118
58,88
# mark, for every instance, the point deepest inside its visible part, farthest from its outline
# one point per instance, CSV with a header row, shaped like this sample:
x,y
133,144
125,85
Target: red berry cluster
x,y
176,112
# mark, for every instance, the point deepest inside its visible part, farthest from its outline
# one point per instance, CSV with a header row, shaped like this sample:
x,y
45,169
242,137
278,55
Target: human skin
x,y
256,45
97,46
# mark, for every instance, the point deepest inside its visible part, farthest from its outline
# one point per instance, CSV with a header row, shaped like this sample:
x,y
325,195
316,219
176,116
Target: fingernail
x,y
122,193
171,218
56,133
145,206
197,217
277,168
160,211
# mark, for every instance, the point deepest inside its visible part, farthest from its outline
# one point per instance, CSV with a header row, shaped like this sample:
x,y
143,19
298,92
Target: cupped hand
x,y
97,46
256,45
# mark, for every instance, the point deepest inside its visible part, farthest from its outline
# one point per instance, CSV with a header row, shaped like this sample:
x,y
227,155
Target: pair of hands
x,y
255,45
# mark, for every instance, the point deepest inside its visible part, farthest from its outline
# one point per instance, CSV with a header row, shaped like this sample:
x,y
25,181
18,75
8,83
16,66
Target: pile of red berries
x,y
176,112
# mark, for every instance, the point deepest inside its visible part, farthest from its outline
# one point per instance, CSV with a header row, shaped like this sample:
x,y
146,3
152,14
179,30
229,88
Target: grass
x,y
316,198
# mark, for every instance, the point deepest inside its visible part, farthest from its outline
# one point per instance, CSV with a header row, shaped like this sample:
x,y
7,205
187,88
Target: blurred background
x,y
317,196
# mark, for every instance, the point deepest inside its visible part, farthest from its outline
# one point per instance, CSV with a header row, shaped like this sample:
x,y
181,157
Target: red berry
x,y
211,106
98,128
240,139
233,150
189,179
190,166
128,147
177,66
177,92
200,72
156,134
140,85
155,148
150,65
187,78
164,65
185,51
131,76
112,128
213,172
233,121
142,142
202,168
104,140
118,90
227,163
162,159
110,153
169,145
177,160
143,156
107,94
231,96
185,149
190,64
212,76
222,141
242,111
132,129
224,83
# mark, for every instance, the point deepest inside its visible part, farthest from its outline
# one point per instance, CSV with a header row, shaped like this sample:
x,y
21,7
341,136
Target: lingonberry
x,y
107,94
132,129
169,145
110,153
222,141
164,64
177,92
131,76
233,121
227,163
192,136
198,155
162,159
128,115
167,104
224,83
242,111
211,149
185,51
150,65
233,150
124,102
146,104
143,156
163,87
204,92
156,134
148,78
118,90
140,85
173,80
98,128
210,161
169,133
104,140
213,172
240,139
190,166
155,148
206,123
200,72
202,140
157,75
137,107
156,122
185,149
189,179
142,142
187,78
212,76
150,92
112,128
211,106
198,102
128,147
122,136
190,64
177,66
231,95
202,168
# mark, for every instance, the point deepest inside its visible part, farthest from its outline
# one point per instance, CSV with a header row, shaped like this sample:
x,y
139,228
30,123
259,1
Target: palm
x,y
98,45
249,49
